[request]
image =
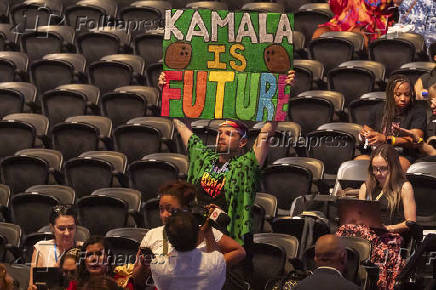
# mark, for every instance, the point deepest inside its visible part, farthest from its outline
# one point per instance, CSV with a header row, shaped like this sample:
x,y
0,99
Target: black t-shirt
x,y
415,117
431,127
211,187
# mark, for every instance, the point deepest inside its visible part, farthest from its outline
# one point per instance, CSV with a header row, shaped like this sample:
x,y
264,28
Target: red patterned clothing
x,y
369,15
385,252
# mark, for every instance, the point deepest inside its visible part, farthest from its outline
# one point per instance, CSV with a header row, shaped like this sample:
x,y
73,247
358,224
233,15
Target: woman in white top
x,y
48,253
176,196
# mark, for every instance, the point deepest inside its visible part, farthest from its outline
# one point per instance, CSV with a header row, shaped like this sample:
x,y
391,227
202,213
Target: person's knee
x,y
405,163
362,157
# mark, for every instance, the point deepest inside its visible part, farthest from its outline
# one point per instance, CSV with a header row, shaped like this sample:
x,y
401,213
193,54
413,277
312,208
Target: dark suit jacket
x,y
326,279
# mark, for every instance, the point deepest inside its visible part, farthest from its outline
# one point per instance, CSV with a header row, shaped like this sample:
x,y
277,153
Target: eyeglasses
x,y
382,169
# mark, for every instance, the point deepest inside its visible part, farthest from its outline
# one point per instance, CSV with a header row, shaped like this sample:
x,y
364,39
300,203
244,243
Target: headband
x,y
235,125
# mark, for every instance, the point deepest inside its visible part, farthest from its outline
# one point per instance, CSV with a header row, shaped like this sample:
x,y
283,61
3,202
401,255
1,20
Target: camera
x,y
220,218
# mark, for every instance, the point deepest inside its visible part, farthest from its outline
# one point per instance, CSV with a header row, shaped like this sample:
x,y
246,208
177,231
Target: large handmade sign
x,y
221,64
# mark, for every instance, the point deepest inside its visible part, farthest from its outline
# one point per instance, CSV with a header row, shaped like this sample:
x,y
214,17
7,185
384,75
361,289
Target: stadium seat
x,y
8,39
263,7
39,122
15,136
55,70
72,139
337,98
91,92
153,72
85,15
414,70
424,189
212,5
179,160
376,68
392,53
13,66
267,262
52,157
165,127
299,41
103,124
136,141
360,110
286,182
148,176
117,159
31,211
269,203
21,172
123,250
428,168
63,193
355,38
331,52
12,233
332,147
314,165
149,45
131,196
20,273
11,101
115,71
100,214
352,82
303,82
47,40
151,213
28,90
5,194
150,94
86,174
288,243
309,16
310,112
30,13
351,174
59,104
102,42
136,234
353,129
120,107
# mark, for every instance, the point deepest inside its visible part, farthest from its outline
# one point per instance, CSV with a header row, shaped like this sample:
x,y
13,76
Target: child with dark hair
x,y
186,267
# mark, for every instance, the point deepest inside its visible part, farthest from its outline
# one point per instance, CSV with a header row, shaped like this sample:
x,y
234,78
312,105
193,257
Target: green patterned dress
x,y
239,187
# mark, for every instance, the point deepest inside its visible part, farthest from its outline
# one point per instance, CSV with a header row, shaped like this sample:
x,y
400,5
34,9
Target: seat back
x,y
49,74
121,107
39,43
100,214
87,174
150,212
95,45
72,139
109,75
393,53
286,182
31,211
331,51
58,105
65,194
11,101
129,195
136,141
360,110
149,176
424,188
149,46
310,112
307,22
21,172
15,136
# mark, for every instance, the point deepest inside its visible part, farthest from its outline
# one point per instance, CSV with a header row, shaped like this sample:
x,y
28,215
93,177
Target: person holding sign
x,y
226,177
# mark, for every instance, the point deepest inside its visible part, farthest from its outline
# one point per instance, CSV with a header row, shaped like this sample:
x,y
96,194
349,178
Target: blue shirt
x,y
422,16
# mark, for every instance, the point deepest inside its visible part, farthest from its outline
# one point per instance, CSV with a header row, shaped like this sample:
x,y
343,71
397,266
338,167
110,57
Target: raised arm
x,y
261,146
183,130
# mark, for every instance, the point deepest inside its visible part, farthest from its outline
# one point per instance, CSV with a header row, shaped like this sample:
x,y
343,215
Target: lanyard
x,y
55,253
379,196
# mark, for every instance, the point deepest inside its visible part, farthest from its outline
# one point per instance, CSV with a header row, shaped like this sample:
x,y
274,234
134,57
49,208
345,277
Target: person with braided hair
x,y
399,111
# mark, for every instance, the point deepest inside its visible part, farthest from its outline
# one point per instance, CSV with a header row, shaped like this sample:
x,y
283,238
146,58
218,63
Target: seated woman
x,y
48,253
370,18
386,183
96,264
177,196
386,119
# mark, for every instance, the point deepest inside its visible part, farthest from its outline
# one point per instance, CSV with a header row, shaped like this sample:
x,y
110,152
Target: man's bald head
x,y
330,252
